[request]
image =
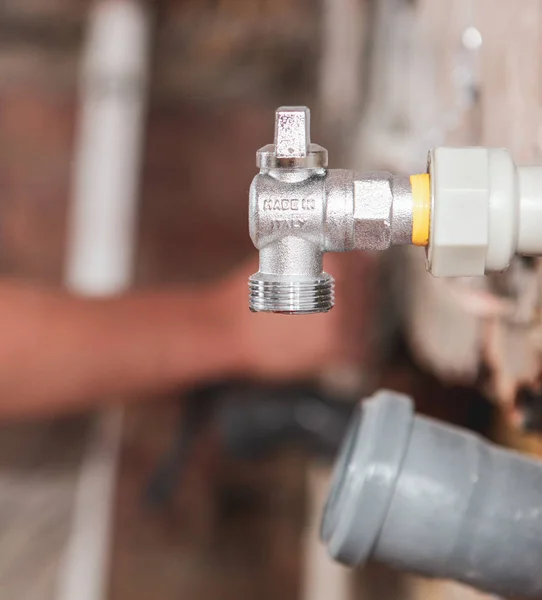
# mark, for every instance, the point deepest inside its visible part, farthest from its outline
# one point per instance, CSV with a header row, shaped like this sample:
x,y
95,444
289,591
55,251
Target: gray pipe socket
x,y
432,499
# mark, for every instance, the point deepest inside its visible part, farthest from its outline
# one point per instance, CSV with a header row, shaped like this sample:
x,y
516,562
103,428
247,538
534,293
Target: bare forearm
x,y
60,353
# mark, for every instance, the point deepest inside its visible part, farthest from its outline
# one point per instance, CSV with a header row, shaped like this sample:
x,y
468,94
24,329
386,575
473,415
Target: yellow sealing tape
x,y
421,208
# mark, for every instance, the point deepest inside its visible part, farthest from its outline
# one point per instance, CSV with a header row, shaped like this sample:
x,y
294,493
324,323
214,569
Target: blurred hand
x,y
100,349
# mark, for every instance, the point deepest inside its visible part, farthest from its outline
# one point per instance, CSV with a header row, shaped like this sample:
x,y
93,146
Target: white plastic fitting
x,y
484,210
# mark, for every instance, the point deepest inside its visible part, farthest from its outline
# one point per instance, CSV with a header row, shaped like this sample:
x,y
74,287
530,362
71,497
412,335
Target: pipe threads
x,y
291,297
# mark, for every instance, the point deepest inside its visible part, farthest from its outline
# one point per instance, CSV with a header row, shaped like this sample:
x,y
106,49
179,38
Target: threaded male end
x,y
302,297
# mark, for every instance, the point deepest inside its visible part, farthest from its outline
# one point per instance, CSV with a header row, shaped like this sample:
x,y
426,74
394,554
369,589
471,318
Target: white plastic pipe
x,y
530,215
339,94
341,69
323,579
484,210
108,153
102,233
84,570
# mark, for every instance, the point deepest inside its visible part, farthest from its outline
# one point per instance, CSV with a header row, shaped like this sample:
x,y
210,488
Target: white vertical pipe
x,y
340,96
108,153
102,232
323,579
341,66
84,570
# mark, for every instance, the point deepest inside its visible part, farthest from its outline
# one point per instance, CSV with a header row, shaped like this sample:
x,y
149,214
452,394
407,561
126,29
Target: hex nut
x,y
459,235
373,200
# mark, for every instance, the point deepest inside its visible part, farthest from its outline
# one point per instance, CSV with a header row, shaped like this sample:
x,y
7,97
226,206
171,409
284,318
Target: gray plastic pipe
x,y
432,499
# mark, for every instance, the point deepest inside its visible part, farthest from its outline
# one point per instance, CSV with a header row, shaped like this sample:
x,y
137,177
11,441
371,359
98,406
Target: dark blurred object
x,y
529,409
252,422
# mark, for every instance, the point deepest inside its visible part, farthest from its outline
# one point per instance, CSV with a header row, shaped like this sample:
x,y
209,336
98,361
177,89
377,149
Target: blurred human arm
x,y
60,352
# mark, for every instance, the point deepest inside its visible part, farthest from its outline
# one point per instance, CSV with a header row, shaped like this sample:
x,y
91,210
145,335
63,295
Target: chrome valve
x,y
299,209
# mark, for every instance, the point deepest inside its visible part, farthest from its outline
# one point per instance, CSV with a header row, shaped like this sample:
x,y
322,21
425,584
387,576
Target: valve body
x,y
299,210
